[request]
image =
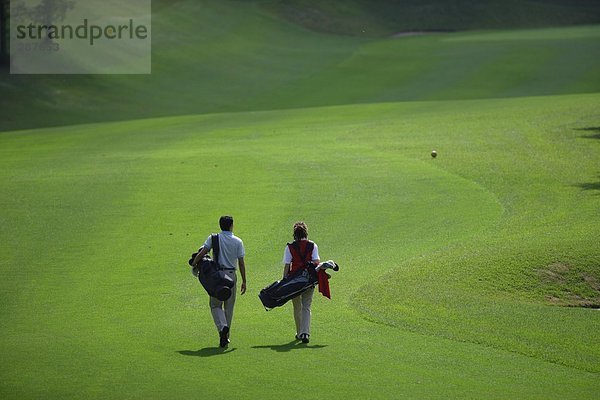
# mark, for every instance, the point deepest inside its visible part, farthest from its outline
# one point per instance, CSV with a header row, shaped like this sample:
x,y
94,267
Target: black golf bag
x,y
215,281
280,292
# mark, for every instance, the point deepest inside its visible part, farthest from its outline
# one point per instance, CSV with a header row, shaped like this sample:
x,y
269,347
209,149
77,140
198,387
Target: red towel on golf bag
x,y
323,279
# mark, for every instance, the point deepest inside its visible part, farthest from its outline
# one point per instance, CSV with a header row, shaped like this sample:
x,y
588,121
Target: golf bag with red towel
x,y
210,274
280,292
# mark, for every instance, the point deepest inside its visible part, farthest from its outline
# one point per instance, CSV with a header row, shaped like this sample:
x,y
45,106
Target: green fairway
x,y
99,221
475,274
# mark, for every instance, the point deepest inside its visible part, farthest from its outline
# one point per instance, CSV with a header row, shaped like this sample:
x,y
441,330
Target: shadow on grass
x,y
595,132
589,186
594,186
293,345
206,352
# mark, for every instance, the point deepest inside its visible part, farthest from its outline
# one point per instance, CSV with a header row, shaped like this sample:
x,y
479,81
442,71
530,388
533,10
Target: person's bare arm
x,y
242,266
199,256
286,270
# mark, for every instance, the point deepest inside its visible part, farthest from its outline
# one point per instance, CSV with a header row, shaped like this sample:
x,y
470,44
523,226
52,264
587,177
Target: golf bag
x,y
280,292
213,278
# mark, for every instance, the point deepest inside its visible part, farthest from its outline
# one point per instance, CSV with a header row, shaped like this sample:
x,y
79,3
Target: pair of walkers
x,y
231,257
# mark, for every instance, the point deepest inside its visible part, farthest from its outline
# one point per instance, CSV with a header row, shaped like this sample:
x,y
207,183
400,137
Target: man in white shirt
x,y
231,253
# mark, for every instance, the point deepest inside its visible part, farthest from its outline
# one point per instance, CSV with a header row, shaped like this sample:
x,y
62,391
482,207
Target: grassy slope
x,y
459,66
207,56
97,300
537,157
225,56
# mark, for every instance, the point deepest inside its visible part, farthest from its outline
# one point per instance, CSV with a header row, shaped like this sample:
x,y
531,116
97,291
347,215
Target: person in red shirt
x,y
295,257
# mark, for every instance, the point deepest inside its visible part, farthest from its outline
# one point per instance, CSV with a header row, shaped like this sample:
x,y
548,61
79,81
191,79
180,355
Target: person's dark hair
x,y
226,222
300,230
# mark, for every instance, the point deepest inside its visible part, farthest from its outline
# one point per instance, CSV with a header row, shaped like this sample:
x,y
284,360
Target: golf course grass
x,y
98,299
475,274
223,56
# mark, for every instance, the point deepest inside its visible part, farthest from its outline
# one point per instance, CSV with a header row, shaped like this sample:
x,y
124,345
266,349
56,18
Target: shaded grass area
x,y
380,17
223,56
99,221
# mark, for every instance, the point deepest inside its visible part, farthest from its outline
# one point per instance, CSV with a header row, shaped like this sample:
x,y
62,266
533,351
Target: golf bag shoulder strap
x,y
215,246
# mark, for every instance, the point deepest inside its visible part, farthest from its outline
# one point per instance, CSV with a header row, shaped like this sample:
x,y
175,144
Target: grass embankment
x,y
496,288
233,56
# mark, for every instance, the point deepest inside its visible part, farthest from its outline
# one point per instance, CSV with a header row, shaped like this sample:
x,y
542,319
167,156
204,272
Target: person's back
x,y
296,255
301,252
231,247
231,254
